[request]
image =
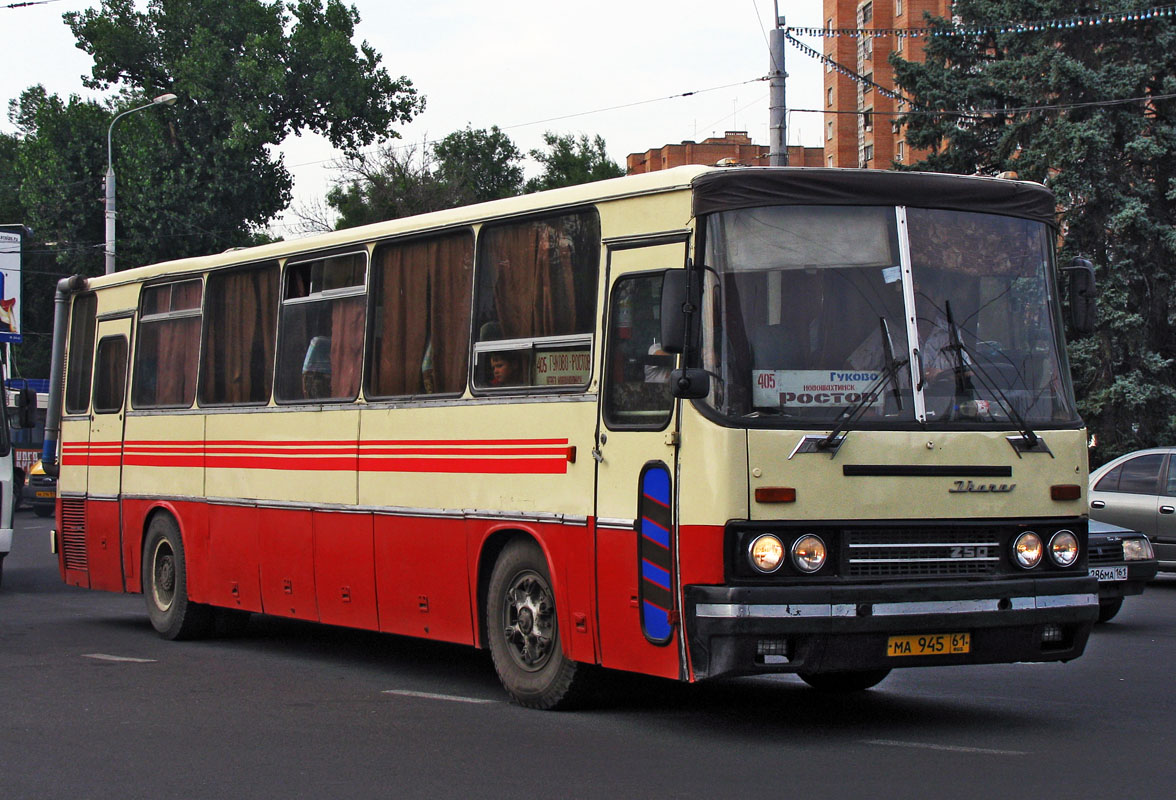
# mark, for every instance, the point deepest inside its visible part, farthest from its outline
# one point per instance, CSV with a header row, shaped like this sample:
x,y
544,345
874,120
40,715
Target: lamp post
x,y
163,100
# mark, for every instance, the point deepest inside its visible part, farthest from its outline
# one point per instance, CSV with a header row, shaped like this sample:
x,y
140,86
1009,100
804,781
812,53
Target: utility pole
x,y
777,108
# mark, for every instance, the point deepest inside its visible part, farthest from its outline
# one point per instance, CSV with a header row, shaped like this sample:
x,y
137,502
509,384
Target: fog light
x,y
771,647
1052,634
1063,548
766,553
1027,550
808,553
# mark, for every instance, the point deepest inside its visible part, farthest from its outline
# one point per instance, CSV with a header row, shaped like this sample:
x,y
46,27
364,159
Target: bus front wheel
x,y
523,631
165,584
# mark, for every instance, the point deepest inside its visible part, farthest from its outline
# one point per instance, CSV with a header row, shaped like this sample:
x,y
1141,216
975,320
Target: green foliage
x,y
486,164
569,161
201,176
1110,158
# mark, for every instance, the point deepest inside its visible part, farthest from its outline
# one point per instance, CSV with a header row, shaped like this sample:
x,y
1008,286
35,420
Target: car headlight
x,y
809,553
1027,550
1137,550
766,553
1063,548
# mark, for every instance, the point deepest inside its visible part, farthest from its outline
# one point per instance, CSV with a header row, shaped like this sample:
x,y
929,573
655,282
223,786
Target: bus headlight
x,y
808,553
1027,550
1063,548
766,553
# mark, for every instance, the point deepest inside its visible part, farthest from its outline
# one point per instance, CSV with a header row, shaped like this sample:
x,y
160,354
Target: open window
x,y
168,347
320,341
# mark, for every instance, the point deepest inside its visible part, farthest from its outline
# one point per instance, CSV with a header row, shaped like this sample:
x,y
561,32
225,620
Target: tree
x,y
1088,110
569,161
199,177
467,166
486,164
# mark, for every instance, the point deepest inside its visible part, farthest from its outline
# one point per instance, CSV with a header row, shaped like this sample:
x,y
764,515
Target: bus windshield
x,y
918,316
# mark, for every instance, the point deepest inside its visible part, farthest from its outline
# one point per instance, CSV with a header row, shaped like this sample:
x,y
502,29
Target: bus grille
x,y
73,534
922,552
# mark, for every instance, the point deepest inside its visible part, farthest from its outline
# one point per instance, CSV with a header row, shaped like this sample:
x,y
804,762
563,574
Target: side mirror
x,y
677,307
690,384
1083,305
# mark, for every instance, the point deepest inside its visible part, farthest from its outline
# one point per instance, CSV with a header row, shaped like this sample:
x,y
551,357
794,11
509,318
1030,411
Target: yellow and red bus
x,y
702,422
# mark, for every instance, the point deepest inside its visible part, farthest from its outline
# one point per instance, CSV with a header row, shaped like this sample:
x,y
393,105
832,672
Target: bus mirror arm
x,y
66,288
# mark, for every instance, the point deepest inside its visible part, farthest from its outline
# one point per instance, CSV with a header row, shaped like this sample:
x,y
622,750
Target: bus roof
x,y
716,188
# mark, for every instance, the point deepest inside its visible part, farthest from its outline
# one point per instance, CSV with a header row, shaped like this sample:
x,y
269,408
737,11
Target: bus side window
x,y
637,372
321,329
420,338
81,354
110,375
167,347
240,322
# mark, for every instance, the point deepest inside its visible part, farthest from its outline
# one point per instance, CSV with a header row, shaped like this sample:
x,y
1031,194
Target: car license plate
x,y
1109,573
44,494
932,644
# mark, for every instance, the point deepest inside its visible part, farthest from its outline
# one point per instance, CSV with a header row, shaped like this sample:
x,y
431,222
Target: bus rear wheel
x,y
523,632
165,584
844,682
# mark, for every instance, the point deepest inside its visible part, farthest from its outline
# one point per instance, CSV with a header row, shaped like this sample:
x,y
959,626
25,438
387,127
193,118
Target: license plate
x,y
934,644
44,494
1109,573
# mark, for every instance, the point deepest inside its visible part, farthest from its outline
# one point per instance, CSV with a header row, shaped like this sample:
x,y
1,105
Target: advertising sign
x,y
10,252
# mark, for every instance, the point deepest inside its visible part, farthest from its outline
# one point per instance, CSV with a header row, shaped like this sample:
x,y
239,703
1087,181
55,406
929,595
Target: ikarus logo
x,y
968,487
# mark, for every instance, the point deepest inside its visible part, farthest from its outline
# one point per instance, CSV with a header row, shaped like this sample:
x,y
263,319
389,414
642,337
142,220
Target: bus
x,y
16,409
698,423
27,442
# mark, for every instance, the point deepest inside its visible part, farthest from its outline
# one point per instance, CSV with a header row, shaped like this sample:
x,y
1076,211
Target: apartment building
x,y
733,147
860,128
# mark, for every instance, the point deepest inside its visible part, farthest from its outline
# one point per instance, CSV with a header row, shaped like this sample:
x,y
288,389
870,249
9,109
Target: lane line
x,y
452,698
124,659
945,747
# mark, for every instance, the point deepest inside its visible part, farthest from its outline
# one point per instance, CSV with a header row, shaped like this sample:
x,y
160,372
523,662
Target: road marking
x,y
947,747
453,698
125,659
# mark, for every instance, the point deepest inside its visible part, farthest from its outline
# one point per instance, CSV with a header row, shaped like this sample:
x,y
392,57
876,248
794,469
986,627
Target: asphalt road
x,y
94,704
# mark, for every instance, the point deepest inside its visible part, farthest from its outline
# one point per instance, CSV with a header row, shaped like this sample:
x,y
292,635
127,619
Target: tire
x,y
844,682
165,584
523,632
1107,609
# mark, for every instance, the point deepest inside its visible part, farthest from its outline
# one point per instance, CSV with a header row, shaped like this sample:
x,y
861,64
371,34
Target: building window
x,y
867,80
867,154
899,151
866,14
867,120
829,161
829,97
898,8
829,130
898,43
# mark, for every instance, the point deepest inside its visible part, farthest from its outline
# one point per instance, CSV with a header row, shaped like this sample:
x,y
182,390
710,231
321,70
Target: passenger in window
x,y
316,369
506,369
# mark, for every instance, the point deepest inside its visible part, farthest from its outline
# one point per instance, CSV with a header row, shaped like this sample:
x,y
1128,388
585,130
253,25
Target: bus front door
x,y
637,586
104,460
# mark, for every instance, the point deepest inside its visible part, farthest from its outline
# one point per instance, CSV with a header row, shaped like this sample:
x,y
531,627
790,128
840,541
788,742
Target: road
x,y
95,705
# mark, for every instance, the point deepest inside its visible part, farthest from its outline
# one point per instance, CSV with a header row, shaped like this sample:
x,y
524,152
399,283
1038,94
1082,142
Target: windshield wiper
x,y
850,414
963,385
888,354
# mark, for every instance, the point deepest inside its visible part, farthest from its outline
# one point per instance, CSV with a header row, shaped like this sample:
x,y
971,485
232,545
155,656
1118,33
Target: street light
x,y
168,99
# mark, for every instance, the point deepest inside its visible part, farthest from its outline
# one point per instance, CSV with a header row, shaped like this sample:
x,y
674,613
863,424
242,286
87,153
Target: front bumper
x,y
1138,575
814,629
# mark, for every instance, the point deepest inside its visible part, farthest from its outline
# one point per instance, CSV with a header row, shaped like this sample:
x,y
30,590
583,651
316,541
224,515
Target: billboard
x,y
10,253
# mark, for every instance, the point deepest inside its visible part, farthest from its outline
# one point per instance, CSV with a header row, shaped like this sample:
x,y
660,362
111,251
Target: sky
x,y
616,68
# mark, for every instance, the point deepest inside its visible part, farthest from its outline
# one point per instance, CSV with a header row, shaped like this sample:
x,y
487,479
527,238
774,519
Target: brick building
x,y
859,121
734,145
